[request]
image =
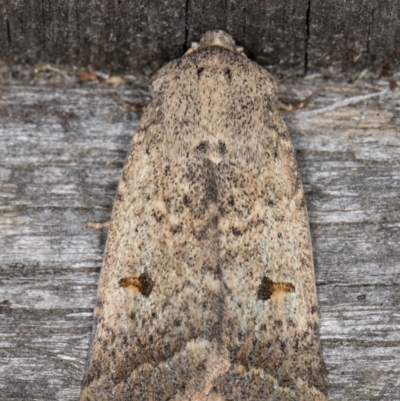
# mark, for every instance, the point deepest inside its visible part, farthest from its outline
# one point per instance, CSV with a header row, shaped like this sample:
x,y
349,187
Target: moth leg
x,y
132,106
295,104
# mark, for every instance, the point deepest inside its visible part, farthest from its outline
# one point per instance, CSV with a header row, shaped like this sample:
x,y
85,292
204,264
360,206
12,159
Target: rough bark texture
x,y
138,37
61,154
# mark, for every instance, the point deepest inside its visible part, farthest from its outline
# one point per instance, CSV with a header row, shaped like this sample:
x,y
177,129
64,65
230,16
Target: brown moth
x,y
207,290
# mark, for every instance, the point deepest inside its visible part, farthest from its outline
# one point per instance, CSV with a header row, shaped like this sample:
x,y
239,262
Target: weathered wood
x,y
61,153
339,33
138,37
353,35
126,35
272,32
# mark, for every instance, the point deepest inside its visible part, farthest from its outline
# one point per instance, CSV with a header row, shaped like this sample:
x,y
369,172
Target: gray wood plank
x,y
384,36
353,35
138,37
339,34
61,152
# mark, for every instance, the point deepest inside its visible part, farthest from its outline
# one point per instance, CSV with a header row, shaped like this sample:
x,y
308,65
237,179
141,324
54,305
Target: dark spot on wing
x,y
143,284
221,147
236,232
269,288
176,229
202,147
211,188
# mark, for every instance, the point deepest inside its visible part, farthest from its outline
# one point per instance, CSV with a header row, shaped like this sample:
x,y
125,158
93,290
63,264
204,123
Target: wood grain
x,y
353,35
61,152
139,37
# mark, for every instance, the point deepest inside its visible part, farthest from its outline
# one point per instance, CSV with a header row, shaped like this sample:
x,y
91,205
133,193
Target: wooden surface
x,y
62,148
139,36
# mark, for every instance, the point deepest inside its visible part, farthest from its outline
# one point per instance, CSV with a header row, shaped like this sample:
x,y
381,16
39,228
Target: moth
x,y
207,289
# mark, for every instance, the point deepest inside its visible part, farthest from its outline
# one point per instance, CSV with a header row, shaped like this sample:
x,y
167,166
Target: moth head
x,y
216,38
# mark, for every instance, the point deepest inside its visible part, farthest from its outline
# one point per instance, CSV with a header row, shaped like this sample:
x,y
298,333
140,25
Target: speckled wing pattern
x,y
207,290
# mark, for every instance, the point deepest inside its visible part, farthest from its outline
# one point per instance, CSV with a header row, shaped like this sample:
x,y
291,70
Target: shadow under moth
x,y
207,289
